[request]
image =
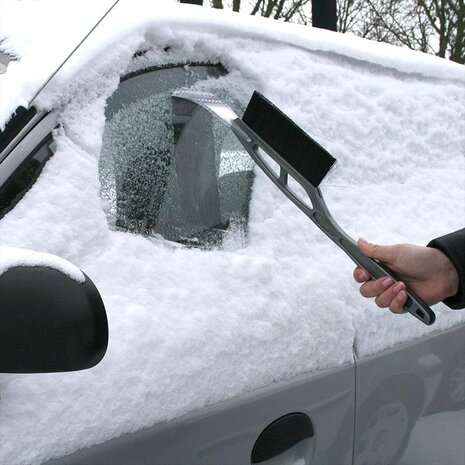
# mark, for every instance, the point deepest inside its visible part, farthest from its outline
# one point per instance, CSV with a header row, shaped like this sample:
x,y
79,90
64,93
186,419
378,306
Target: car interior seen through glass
x,y
167,168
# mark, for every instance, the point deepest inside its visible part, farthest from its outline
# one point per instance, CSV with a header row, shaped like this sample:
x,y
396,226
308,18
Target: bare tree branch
x,y
279,10
431,26
256,7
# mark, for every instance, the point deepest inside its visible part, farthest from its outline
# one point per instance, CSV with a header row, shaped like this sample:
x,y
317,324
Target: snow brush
x,y
267,133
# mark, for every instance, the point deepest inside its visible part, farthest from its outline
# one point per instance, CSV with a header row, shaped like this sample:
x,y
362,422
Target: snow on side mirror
x,y
52,317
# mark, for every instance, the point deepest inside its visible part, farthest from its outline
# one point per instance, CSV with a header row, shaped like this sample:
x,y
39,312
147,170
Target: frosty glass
x,y
167,169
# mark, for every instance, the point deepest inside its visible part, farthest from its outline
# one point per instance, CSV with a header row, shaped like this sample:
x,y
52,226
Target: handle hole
x,y
268,161
299,192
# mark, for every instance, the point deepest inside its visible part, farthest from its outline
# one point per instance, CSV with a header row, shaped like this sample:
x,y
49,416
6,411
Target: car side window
x,y
166,168
22,177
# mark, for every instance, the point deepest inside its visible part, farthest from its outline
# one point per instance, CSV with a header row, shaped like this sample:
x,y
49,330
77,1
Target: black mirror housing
x,y
49,322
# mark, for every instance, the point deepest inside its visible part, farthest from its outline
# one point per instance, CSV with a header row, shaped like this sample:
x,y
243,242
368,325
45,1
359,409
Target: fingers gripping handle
x,y
415,305
323,219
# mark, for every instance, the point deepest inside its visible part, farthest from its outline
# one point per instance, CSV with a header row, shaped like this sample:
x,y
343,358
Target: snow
x,y
12,257
30,32
44,44
189,327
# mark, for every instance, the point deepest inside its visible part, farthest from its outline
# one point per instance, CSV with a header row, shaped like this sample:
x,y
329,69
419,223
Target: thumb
x,y
384,253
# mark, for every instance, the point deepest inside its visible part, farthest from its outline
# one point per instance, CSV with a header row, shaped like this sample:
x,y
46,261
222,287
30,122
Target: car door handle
x,y
289,439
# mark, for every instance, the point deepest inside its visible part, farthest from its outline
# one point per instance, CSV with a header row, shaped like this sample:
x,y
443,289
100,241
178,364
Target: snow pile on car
x,y
12,257
188,327
39,43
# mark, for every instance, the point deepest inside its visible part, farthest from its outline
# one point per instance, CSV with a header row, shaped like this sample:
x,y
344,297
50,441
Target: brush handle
x,y
318,212
321,216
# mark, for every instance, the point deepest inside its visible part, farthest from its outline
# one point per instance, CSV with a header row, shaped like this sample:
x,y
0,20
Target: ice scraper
x,y
267,133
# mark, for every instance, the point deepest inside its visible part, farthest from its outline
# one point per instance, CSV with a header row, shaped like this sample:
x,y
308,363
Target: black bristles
x,y
305,155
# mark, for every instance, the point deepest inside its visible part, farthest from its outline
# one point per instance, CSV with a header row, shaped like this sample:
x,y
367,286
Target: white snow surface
x,y
40,34
12,257
190,328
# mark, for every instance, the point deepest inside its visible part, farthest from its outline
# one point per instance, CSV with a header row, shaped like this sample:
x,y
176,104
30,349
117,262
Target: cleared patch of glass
x,y
168,169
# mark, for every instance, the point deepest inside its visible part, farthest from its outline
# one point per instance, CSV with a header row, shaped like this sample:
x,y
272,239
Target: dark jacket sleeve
x,y
453,245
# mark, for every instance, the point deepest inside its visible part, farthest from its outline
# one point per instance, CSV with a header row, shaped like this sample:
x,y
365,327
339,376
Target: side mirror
x,y
51,319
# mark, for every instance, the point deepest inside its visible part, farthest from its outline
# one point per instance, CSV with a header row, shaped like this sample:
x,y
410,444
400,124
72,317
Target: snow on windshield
x,y
190,328
138,145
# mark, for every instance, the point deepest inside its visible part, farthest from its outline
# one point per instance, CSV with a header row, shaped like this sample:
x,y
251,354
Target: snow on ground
x,y
193,327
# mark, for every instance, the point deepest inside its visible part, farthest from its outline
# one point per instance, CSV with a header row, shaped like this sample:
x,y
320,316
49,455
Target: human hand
x,y
425,270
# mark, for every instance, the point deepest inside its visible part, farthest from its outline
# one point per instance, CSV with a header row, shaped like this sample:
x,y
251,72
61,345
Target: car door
x,y
402,395
410,403
181,177
308,420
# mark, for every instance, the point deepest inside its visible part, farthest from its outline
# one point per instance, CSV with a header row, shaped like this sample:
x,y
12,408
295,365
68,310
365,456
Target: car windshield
x,y
167,168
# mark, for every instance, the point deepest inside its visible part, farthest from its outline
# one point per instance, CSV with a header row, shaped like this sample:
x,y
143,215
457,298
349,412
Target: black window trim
x,y
46,140
18,129
26,146
18,120
150,69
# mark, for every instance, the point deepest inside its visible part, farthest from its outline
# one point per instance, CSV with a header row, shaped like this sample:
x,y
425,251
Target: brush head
x,y
289,141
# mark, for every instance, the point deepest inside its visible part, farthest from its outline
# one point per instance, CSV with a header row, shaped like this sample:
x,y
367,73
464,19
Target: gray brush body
x,y
316,209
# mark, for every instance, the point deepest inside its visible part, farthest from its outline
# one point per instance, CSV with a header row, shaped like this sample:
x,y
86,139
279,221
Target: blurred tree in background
x,y
286,10
431,26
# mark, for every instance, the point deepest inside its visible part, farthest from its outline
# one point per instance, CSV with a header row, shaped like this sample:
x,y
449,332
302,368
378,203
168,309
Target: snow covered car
x,y
236,334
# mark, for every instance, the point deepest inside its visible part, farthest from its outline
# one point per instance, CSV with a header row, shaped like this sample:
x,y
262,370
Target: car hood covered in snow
x,y
191,327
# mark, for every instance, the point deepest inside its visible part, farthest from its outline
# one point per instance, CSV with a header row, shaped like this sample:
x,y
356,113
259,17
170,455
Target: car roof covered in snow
x,y
43,34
